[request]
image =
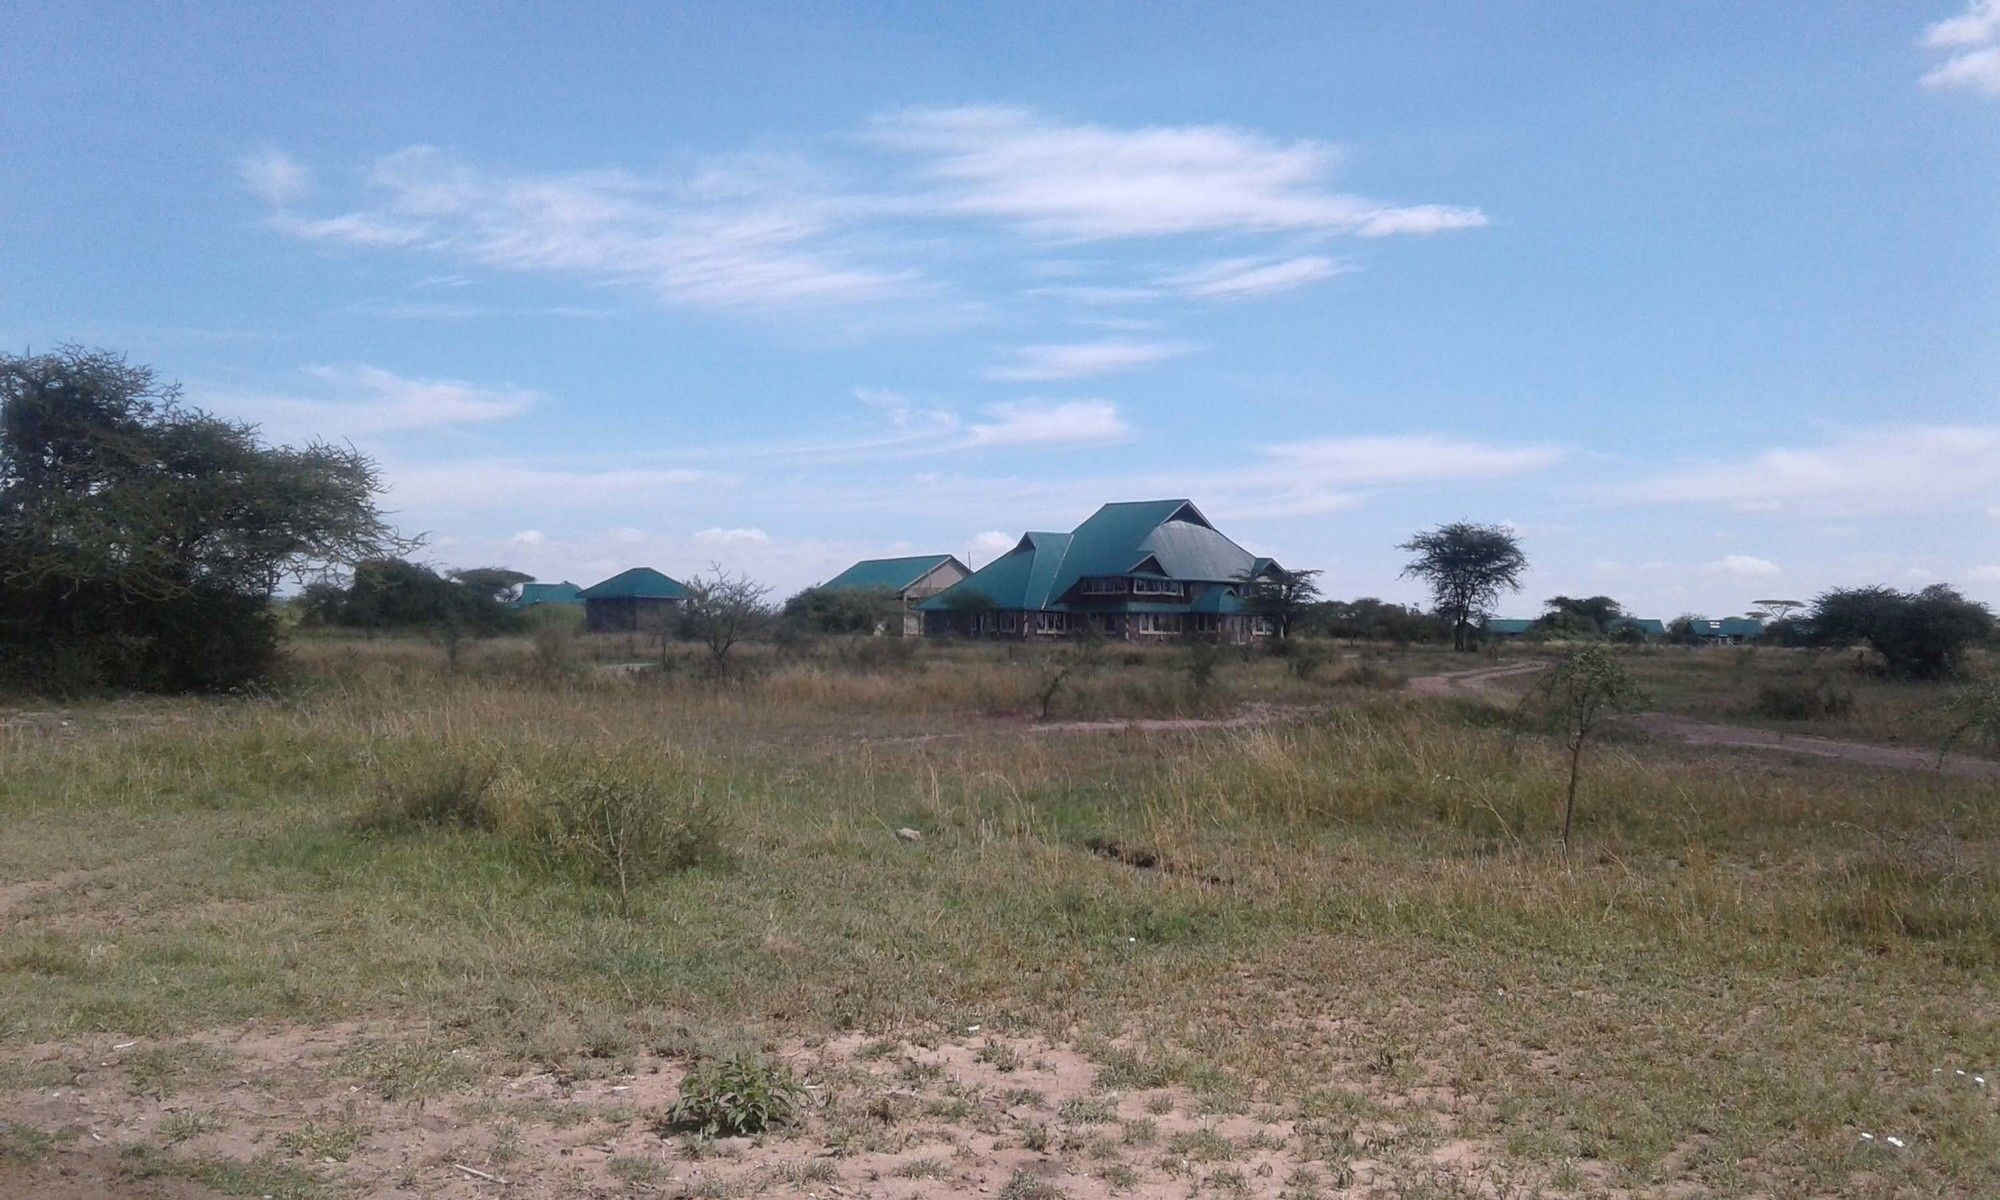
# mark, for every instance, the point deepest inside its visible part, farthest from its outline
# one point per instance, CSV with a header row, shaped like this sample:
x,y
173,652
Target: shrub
x,y
1804,700
421,787
617,822
737,1096
609,821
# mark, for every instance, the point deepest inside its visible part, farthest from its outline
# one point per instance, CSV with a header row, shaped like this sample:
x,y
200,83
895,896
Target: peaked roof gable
x,y
1164,537
637,583
895,574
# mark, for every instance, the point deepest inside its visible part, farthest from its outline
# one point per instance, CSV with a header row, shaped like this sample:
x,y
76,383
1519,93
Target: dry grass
x,y
1359,926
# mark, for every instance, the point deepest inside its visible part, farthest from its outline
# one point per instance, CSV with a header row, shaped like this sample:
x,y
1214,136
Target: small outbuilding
x,y
910,579
637,600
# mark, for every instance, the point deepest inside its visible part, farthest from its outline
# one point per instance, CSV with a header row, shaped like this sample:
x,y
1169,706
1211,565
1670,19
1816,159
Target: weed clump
x,y
737,1096
617,821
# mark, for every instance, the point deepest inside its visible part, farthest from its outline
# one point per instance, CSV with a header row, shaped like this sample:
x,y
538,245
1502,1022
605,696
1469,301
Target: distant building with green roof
x,y
911,579
535,595
638,599
1138,570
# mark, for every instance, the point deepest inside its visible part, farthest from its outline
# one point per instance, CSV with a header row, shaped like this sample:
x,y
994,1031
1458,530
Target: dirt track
x,y
1479,681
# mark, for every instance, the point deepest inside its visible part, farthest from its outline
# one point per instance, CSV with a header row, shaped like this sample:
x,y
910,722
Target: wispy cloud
x,y
1869,471
1074,181
1407,459
859,221
1050,423
358,400
1242,278
1971,44
273,177
1080,360
695,241
1743,566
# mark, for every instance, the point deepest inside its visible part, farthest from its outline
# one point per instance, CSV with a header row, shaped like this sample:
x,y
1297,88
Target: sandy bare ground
x,y
294,1111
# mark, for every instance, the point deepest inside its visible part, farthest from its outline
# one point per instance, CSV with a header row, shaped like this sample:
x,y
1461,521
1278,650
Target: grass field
x,y
263,946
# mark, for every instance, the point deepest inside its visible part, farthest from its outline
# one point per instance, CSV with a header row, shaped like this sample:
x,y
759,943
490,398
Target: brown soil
x,y
963,1116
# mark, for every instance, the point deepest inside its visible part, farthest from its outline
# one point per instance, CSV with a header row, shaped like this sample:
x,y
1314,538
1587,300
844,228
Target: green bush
x,y
737,1096
619,821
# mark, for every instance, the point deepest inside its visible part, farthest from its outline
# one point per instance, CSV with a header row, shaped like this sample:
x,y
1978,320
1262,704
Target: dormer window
x,y
1103,586
1157,587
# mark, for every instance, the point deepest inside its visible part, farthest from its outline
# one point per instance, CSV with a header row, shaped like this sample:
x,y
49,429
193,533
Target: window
x,y
1159,622
1006,622
1206,623
1263,626
1103,587
1051,622
1156,587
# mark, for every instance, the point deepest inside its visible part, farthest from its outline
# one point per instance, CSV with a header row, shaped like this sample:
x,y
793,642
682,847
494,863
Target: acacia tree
x,y
1920,635
1281,595
1578,695
1467,567
141,541
722,610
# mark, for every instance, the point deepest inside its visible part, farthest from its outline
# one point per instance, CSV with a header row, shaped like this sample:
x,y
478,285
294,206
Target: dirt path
x,y
1480,681
1739,737
1477,681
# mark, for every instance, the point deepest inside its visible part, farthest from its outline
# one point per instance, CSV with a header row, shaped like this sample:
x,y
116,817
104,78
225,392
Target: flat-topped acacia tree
x,y
1467,567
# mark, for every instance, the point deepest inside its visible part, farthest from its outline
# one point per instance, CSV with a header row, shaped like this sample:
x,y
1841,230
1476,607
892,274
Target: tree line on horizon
x,y
144,543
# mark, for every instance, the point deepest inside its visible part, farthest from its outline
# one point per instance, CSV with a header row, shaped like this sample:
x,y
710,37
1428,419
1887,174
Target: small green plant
x,y
1577,696
1200,658
737,1096
1023,1186
1972,717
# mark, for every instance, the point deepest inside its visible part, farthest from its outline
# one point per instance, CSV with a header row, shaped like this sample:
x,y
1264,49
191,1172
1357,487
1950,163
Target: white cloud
x,y
1978,70
1050,423
1079,360
1987,574
1240,278
1972,44
358,400
1415,458
273,177
1978,25
1082,181
1880,470
765,230
731,536
529,537
355,229
1743,566
697,243
992,544
1422,219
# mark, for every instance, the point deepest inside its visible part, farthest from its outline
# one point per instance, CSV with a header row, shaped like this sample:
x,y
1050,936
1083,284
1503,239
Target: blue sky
x,y
1704,299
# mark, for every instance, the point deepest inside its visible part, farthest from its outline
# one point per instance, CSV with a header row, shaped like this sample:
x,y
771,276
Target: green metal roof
x,y
892,574
638,583
1650,626
1506,625
1144,537
533,594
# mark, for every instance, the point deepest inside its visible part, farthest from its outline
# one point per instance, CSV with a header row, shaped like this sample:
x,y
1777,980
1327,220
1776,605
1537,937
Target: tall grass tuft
x,y
618,819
